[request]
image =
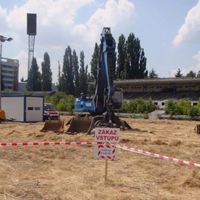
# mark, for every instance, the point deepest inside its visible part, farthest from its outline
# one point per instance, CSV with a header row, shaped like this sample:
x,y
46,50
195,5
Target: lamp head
x,y
9,39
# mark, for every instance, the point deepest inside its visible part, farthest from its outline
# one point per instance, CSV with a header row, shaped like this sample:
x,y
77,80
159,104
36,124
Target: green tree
x,y
61,101
59,78
46,73
83,74
178,73
152,74
135,66
121,56
198,74
67,82
191,74
95,61
34,77
76,73
66,104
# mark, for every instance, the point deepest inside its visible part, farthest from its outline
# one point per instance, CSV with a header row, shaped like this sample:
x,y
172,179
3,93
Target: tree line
x,y
190,74
129,63
72,79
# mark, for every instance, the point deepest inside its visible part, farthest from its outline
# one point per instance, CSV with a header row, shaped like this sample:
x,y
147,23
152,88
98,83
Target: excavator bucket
x,y
85,124
79,124
53,125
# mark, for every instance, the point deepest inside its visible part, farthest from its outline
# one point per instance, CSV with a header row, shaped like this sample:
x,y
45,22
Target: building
x,y
23,107
22,87
161,89
9,74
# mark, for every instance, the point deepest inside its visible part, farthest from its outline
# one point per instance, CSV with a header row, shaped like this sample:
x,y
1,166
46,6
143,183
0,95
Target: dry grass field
x,y
70,172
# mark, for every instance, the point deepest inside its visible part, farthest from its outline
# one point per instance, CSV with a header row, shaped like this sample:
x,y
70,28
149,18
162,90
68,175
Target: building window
x,y
37,108
6,81
163,103
30,108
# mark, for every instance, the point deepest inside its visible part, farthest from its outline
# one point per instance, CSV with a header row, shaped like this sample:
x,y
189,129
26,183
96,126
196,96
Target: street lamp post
x,y
2,39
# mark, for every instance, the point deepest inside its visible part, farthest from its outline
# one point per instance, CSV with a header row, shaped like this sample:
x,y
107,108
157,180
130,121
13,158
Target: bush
x,y
125,107
55,98
146,116
194,111
170,107
138,106
182,107
141,107
61,101
150,106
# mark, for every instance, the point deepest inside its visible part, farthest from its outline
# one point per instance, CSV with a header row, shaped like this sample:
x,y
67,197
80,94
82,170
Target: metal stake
x,y
106,171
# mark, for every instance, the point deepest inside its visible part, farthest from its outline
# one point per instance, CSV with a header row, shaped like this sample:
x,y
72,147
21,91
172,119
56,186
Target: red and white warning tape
x,y
44,143
133,150
159,156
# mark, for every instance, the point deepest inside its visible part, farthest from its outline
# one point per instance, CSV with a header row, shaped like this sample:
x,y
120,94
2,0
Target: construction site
x,y
65,158
69,171
107,128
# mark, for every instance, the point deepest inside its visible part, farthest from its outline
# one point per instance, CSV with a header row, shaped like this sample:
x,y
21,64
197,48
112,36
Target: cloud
x,y
190,30
197,57
54,18
3,14
23,62
57,26
115,14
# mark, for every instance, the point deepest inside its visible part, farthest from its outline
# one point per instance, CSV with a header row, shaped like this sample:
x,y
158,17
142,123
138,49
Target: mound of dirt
x,y
125,140
175,143
193,180
159,142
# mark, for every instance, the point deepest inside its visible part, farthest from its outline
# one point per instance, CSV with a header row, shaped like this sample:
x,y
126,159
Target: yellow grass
x,y
70,172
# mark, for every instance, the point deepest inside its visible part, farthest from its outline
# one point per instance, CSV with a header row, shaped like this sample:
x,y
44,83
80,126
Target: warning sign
x,y
105,151
110,135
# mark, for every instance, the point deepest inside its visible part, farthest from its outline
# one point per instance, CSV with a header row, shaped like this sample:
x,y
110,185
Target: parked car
x,y
50,112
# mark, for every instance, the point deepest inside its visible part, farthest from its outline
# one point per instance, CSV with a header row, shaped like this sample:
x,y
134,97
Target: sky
x,y
169,30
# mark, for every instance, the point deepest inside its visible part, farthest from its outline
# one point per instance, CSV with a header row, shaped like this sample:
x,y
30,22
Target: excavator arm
x,y
104,82
105,98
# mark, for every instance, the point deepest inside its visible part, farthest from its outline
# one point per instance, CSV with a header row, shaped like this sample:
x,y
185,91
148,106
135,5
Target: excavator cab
x,y
84,105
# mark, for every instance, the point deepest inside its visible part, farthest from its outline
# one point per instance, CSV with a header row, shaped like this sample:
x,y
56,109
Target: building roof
x,y
157,81
27,94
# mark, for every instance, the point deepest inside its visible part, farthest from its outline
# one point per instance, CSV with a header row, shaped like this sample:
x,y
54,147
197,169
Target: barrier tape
x,y
43,143
159,156
130,149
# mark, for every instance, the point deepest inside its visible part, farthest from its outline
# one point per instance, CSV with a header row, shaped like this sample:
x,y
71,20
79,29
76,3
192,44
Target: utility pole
x,y
2,39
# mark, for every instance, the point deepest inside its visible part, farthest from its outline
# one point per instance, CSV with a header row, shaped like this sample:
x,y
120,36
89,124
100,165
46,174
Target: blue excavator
x,y
99,111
